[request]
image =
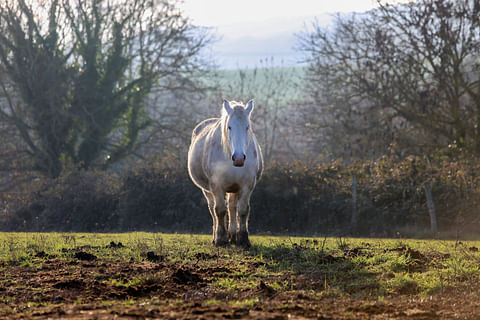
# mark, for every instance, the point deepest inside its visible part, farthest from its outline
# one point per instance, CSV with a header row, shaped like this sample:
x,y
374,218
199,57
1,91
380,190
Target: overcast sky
x,y
251,30
224,12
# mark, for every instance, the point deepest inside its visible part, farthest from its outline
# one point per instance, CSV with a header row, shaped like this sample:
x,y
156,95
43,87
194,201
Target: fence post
x,y
354,217
431,207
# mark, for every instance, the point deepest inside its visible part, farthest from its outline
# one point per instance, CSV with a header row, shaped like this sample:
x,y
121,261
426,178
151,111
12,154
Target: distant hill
x,y
261,82
260,40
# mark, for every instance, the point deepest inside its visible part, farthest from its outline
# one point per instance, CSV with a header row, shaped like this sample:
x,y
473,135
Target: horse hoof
x,y
242,240
244,244
221,243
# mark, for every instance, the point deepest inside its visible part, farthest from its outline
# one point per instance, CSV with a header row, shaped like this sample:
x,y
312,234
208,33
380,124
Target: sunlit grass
x,y
325,266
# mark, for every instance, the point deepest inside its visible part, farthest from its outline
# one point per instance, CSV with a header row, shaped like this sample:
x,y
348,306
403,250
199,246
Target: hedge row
x,y
294,198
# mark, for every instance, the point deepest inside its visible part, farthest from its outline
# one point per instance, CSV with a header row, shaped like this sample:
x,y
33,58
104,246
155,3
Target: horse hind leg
x,y
232,217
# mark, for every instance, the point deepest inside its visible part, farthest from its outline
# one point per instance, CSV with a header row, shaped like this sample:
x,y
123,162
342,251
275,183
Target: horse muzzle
x,y
239,159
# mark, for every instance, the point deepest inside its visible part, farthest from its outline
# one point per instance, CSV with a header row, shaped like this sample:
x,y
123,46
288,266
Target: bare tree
x,y
79,72
404,74
174,114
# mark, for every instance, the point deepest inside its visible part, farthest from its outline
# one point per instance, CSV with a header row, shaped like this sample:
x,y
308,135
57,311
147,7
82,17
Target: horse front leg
x,y
232,217
220,232
211,208
242,218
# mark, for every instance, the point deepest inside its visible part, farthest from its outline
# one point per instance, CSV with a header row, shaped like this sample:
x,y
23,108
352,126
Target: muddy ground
x,y
87,287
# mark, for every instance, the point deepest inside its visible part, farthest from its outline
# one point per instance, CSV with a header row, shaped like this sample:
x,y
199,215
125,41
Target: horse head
x,y
236,130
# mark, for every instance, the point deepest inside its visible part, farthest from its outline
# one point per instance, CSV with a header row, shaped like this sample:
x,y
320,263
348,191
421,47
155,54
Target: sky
x,y
227,12
253,30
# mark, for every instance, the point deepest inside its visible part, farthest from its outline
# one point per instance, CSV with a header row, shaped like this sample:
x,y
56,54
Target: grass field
x,y
146,275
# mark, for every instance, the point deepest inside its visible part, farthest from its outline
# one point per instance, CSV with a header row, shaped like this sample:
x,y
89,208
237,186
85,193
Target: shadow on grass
x,y
313,267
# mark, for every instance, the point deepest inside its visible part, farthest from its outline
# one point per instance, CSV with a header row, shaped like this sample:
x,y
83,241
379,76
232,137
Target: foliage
x,y
158,197
301,198
79,200
78,73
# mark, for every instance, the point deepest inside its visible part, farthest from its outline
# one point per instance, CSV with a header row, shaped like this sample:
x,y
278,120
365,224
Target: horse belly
x,y
232,188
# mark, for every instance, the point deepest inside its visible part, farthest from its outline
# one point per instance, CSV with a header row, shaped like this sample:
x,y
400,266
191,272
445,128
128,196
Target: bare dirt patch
x,y
101,289
284,282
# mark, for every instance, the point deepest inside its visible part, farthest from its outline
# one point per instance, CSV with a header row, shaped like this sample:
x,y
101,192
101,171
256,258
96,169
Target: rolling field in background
x,y
149,275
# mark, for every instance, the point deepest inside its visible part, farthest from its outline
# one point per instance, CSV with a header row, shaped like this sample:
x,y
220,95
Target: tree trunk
x,y
431,208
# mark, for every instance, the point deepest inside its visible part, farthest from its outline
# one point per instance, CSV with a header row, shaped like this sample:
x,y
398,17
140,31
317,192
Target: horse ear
x,y
226,107
249,106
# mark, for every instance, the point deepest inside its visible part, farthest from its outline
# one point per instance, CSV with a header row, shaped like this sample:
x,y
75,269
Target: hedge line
x,y
293,198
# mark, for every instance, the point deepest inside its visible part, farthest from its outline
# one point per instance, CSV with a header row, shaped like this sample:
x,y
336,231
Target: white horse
x,y
225,161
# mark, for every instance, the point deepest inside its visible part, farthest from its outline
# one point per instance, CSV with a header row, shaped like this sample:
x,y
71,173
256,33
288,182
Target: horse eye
x,y
229,128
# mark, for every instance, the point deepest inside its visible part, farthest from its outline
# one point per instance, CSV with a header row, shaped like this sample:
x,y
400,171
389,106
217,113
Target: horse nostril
x,y
237,157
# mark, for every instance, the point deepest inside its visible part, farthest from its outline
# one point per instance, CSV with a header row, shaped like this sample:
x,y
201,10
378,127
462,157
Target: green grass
x,y
316,266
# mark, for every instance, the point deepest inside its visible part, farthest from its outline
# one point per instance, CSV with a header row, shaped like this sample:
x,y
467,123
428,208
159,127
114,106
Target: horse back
x,y
202,125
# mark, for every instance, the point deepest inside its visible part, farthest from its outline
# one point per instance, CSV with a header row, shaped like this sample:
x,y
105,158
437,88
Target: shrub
x,y
299,198
291,198
159,198
77,201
